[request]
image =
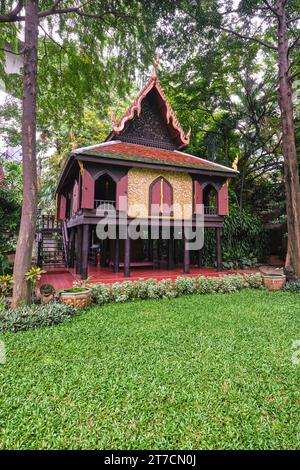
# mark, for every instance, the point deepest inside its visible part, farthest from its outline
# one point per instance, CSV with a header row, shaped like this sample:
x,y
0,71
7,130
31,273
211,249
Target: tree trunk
x,y
292,189
21,293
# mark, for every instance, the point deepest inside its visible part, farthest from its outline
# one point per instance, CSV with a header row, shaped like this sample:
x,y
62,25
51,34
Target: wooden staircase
x,y
52,246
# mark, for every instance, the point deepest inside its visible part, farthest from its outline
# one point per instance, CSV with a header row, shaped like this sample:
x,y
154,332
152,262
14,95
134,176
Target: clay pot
x,y
274,281
80,299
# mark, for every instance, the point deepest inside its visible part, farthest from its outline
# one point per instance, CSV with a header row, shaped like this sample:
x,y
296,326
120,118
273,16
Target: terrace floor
x,y
63,279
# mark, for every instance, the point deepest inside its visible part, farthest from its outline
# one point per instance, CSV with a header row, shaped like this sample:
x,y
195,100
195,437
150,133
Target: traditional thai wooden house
x,y
140,173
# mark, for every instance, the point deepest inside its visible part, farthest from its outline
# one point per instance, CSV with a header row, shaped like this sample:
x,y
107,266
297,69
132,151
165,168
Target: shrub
x,y
6,285
166,289
101,293
293,286
254,281
24,318
3,303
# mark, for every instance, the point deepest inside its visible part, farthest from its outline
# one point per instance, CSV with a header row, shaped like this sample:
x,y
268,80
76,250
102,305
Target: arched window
x,y
160,197
210,200
105,191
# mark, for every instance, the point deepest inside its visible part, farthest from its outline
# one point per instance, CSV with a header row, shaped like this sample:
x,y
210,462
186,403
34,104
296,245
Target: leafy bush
x,y
293,286
254,281
166,289
101,294
10,211
24,318
6,285
3,303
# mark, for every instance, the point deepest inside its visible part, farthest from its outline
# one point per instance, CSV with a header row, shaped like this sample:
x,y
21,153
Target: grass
x,y
197,372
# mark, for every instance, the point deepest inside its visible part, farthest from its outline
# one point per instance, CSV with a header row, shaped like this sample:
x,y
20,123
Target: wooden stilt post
x,y
127,256
72,248
117,251
200,258
175,252
85,251
186,256
218,249
78,249
159,250
171,249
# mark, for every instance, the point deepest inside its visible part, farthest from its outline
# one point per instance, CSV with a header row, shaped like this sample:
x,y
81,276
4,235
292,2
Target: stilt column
x,y
78,249
186,256
218,249
85,251
127,256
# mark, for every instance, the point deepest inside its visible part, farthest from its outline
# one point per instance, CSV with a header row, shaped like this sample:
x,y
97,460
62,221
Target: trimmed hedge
x,y
166,289
35,316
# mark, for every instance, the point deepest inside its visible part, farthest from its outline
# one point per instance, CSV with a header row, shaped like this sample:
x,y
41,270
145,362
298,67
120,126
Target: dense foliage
x,y
10,211
36,316
244,241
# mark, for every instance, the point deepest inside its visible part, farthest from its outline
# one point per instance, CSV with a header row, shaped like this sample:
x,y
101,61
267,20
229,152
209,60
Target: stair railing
x,y
66,242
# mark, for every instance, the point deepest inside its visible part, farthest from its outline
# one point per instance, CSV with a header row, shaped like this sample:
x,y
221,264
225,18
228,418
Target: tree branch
x,y
11,52
13,14
13,17
50,37
297,18
248,38
295,75
294,43
272,9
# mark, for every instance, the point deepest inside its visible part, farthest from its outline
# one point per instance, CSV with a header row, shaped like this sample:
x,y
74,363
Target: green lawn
x,y
198,372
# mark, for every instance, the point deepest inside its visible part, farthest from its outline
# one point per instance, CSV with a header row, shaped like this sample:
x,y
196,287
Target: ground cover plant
x,y
196,372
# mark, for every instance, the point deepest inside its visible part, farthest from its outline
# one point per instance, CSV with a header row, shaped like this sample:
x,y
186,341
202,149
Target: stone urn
x,y
274,281
77,297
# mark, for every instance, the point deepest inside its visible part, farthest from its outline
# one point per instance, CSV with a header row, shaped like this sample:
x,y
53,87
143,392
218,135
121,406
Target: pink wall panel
x,y
88,190
122,194
223,200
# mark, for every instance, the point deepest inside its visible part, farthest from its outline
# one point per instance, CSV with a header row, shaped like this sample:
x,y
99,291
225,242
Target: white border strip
x,y
202,160
91,147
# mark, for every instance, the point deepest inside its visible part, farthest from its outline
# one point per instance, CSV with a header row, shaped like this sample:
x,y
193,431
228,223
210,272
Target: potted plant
x,y
47,292
79,296
274,281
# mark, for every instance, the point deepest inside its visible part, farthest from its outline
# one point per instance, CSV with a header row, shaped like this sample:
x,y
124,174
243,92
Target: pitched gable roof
x,y
153,87
117,150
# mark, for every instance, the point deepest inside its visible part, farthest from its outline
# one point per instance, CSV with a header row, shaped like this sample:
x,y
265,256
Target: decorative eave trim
x,y
136,107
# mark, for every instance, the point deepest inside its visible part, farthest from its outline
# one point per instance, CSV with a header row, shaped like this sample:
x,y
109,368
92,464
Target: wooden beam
x,y
78,249
117,252
127,257
200,258
186,257
171,250
72,248
85,251
218,249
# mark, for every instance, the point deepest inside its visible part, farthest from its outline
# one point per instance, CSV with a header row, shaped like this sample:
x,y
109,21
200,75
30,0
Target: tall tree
x,y
95,24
